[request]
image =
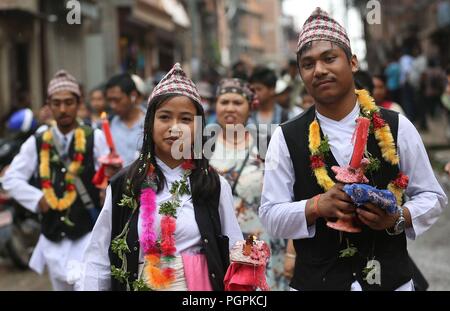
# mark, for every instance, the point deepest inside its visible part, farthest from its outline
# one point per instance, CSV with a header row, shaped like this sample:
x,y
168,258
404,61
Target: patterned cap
x,y
176,82
320,26
63,81
235,85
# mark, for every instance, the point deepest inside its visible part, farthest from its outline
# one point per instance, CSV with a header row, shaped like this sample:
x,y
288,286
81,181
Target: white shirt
x,y
285,218
25,165
128,140
97,271
56,255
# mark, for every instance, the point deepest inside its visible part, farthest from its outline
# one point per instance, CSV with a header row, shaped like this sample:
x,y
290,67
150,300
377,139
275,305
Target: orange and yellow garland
x,y
384,138
70,194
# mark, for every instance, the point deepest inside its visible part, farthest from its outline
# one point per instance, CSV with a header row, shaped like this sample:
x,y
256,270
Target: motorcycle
x,y
19,231
19,227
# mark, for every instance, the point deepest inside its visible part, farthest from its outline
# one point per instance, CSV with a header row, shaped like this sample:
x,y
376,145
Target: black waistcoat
x,y
52,227
318,265
214,244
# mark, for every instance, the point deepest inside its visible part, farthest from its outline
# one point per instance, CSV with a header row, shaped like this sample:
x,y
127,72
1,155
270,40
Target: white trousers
x,y
58,284
356,287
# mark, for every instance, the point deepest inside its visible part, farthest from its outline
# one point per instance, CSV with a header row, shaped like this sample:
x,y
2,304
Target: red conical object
x,y
360,141
354,172
350,226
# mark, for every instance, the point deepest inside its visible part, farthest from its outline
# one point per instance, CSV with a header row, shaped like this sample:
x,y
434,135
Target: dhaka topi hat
x,y
320,26
176,82
63,81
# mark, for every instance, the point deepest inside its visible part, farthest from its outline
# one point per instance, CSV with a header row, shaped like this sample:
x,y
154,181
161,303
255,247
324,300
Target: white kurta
x,y
54,255
97,266
285,218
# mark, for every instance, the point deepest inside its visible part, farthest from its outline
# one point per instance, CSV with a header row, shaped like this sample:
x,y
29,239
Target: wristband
x,y
316,205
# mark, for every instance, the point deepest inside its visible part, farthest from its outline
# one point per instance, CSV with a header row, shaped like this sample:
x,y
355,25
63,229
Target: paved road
x,y
431,252
20,280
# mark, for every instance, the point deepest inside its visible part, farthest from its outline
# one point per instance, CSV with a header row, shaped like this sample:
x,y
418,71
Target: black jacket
x,y
318,265
214,244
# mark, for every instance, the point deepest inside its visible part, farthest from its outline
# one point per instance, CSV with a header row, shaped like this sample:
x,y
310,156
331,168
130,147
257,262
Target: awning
x,y
30,6
178,13
152,12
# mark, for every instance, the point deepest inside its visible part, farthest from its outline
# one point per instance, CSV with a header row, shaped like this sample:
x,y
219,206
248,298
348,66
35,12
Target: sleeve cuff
x,y
410,233
311,231
305,231
39,196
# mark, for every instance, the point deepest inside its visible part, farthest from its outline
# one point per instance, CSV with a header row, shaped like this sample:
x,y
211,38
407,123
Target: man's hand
x,y
112,169
375,217
334,203
43,205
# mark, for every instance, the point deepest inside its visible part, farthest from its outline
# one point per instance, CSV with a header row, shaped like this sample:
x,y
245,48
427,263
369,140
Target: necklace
x,y
158,254
319,148
70,194
159,250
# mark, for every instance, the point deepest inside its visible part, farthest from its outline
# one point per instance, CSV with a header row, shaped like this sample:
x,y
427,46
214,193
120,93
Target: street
x,y
430,252
15,279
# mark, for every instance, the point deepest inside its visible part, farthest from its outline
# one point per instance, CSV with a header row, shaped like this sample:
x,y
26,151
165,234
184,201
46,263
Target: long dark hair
x,y
204,179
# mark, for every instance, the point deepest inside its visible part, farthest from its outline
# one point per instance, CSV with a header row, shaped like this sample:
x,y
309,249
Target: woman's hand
x,y
289,260
289,265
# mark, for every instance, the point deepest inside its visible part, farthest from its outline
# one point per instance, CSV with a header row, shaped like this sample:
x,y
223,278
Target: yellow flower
x,y
69,197
314,137
398,193
51,198
74,167
366,101
387,145
67,200
47,137
80,140
323,179
44,169
383,136
69,177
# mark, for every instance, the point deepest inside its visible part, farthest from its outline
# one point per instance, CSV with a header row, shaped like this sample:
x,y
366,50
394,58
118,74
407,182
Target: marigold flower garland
x,y
381,128
70,194
319,148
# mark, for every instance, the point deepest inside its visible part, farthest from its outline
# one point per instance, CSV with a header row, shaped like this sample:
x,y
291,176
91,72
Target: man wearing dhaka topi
x,y
346,180
63,160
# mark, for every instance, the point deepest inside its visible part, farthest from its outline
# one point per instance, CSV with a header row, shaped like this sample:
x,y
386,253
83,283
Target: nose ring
x,y
175,130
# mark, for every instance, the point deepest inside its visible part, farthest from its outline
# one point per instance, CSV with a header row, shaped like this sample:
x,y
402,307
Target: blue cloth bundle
x,y
362,194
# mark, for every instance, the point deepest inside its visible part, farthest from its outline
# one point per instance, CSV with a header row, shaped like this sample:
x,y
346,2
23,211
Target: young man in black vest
x,y
300,191
63,158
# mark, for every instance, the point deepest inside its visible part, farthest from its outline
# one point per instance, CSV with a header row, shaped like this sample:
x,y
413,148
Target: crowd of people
x,y
168,223
418,83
